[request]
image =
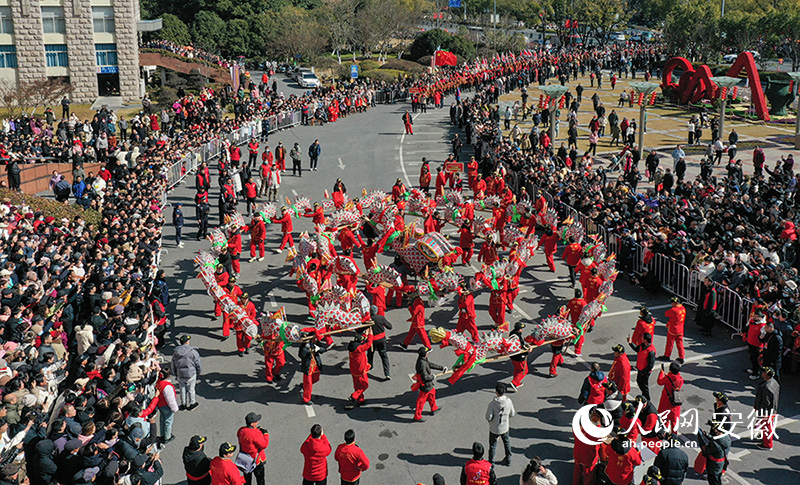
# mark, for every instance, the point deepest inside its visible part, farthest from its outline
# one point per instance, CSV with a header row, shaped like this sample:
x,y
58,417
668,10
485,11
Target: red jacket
x,y
620,467
253,442
478,472
465,238
285,222
268,157
235,244
225,472
236,153
642,327
593,288
550,242
358,358
670,383
352,461
250,190
583,454
572,254
317,217
315,454
575,307
258,230
417,310
677,318
253,147
620,373
378,293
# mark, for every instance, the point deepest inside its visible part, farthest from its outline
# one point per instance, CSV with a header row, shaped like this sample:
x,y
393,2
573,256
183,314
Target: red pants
x,y
256,244
467,323
396,295
583,475
550,263
409,130
678,341
360,384
498,313
510,297
308,384
768,430
430,398
423,335
556,361
226,325
520,371
466,255
579,345
217,309
281,164
273,365
237,268
242,341
287,238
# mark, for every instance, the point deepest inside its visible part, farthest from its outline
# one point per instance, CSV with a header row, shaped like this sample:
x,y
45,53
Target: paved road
x,y
401,451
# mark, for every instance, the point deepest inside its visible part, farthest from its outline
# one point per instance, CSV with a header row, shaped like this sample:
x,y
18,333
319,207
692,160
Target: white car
x,y
731,58
308,80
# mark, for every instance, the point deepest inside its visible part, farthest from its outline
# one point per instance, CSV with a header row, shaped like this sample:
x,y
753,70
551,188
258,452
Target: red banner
x,y
453,167
445,58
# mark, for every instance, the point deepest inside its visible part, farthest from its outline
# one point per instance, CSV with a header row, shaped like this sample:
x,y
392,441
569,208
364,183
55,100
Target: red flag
x,y
445,58
567,24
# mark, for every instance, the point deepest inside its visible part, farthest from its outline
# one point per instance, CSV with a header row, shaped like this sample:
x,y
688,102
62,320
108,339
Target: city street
x,y
369,151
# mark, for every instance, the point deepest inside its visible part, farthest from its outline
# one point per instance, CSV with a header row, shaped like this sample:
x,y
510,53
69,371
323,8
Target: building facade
x,y
93,44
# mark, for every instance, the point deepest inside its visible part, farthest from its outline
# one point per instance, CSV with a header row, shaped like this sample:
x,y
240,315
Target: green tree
x,y
427,42
784,26
601,17
173,30
338,17
208,30
692,30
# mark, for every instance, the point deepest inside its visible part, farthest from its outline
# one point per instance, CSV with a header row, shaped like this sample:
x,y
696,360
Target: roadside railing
x,y
676,278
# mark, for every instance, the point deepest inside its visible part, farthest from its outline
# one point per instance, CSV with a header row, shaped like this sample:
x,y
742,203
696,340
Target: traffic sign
x,y
353,71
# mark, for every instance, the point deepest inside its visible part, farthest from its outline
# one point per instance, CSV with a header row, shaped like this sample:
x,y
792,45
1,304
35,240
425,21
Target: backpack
x,y
676,398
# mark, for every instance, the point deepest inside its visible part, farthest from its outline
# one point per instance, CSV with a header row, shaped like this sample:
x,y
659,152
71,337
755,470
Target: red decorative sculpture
x,y
696,84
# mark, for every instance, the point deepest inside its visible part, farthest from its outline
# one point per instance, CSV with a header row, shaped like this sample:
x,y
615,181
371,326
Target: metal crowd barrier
x,y
674,277
213,149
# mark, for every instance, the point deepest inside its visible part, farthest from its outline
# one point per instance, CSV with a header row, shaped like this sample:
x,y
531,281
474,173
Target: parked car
x,y
731,58
308,80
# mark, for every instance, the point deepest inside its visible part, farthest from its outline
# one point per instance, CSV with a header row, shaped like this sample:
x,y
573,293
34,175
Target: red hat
x,y
49,219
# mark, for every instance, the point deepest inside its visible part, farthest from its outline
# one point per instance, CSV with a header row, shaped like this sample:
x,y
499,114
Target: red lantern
x,y
641,98
736,91
724,94
653,98
541,101
561,102
547,101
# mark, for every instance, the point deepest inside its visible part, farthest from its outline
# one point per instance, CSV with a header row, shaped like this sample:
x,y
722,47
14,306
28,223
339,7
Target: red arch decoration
x,y
696,84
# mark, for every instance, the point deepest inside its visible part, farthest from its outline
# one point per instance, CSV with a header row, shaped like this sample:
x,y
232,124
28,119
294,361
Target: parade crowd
x,y
84,307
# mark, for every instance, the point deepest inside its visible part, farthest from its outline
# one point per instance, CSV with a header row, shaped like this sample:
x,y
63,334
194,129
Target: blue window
x,y
106,54
56,55
8,56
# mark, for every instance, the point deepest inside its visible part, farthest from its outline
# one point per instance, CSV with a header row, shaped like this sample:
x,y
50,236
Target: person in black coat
x,y
672,461
43,466
196,463
773,346
379,326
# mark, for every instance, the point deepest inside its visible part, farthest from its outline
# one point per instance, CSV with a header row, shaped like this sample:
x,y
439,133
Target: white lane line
x,y
310,411
402,165
715,354
522,312
635,310
294,192
272,301
555,280
738,456
474,268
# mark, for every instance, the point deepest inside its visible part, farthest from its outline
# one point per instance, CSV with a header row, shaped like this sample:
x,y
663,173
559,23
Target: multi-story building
x,y
93,44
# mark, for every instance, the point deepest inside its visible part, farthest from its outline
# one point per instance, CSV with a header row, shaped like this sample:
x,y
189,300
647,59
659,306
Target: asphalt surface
x,y
369,151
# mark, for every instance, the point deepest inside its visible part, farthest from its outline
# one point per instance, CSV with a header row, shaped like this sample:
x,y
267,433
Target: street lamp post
x,y
644,88
554,91
796,78
723,82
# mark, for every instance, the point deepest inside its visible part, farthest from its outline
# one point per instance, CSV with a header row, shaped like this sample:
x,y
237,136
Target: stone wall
x,y
27,15
80,45
126,14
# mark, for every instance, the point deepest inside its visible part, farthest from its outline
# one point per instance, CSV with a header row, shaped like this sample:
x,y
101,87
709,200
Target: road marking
x,y
272,301
474,268
714,354
294,192
522,312
310,411
341,165
411,376
635,310
402,165
738,456
555,280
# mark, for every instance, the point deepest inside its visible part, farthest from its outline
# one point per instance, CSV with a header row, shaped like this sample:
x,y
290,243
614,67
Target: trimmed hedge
x,y
50,207
402,65
386,75
368,65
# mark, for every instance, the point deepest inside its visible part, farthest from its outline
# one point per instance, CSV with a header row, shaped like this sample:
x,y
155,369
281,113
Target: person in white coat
x,y
500,410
